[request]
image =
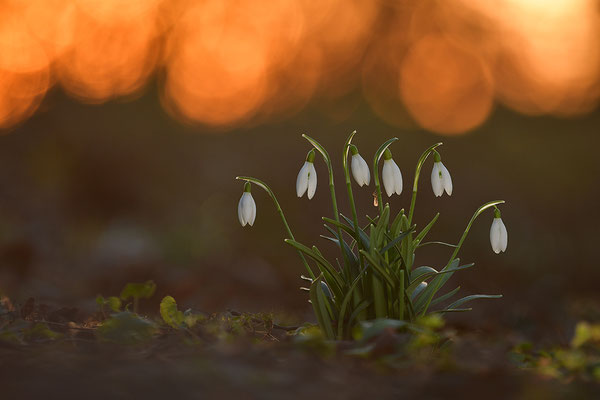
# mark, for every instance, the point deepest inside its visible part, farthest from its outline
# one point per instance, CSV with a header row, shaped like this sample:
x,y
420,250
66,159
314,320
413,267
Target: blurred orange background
x,y
441,65
111,171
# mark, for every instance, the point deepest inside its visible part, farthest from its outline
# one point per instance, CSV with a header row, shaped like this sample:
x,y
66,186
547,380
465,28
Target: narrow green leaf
x,y
395,228
428,272
395,241
317,308
418,290
425,230
378,268
321,300
453,310
473,297
444,297
344,305
351,256
334,240
321,261
384,218
437,284
417,273
436,242
363,236
359,308
361,232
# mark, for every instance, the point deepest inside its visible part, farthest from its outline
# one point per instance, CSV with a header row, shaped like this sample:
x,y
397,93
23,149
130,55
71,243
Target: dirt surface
x,y
62,353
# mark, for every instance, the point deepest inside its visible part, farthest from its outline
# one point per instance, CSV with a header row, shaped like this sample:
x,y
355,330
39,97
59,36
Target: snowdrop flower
x,y
498,234
440,177
360,169
392,177
307,177
247,207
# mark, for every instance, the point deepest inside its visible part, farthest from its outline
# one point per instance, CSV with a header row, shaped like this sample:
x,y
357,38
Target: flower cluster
x,y
376,276
441,181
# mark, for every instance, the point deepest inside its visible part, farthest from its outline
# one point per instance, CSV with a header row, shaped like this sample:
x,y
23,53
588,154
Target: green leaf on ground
x,y
126,328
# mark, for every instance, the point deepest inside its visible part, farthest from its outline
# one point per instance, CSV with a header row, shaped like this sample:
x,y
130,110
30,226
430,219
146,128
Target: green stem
x,y
380,303
327,159
381,308
264,186
401,296
466,232
458,246
420,163
336,214
349,188
376,160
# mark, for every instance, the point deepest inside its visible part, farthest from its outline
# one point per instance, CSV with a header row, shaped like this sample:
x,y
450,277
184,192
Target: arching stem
x,y
376,160
267,189
420,163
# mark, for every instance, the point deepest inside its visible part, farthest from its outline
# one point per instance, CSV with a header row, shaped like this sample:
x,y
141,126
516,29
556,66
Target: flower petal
x,y
241,211
248,208
495,235
366,171
302,180
446,179
397,178
387,175
503,236
358,172
312,180
252,206
436,180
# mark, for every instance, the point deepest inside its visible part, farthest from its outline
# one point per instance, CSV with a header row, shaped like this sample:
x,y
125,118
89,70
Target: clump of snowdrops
x,y
375,276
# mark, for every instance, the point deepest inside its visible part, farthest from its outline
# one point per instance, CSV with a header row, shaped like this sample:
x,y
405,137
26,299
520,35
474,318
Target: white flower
x,y
360,169
247,207
440,179
307,180
392,177
498,235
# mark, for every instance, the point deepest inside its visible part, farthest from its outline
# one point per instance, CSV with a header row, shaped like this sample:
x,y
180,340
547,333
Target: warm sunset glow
x,y
548,58
439,65
452,99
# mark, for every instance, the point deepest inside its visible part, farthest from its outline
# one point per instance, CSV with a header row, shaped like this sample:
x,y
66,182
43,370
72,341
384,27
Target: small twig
x,y
65,325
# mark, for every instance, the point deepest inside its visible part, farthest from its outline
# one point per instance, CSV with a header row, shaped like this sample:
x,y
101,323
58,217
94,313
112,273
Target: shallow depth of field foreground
x,y
338,200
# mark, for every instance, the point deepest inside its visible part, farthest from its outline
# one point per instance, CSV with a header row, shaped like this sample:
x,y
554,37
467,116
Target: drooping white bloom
x,y
498,235
247,207
307,180
391,175
440,179
360,169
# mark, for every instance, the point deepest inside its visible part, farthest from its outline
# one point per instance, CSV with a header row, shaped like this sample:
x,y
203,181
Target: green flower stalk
x,y
267,189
